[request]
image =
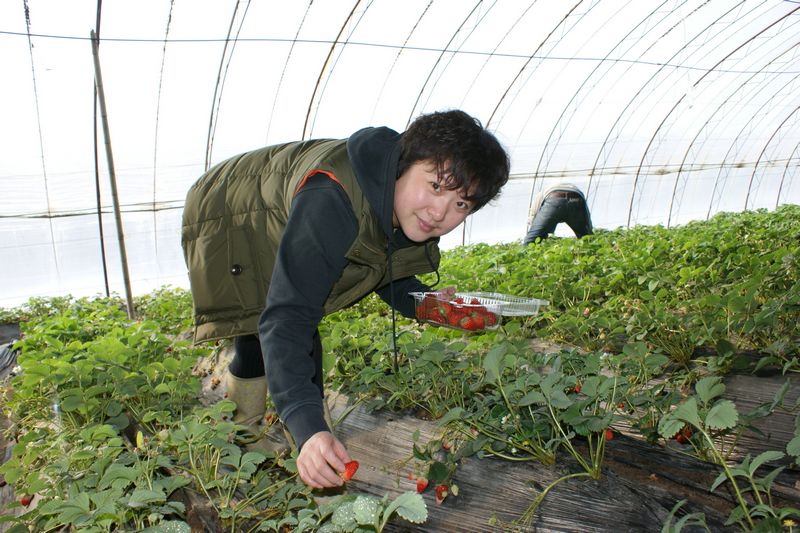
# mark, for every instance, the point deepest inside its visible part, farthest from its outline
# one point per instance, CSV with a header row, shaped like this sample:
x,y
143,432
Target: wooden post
x,y
112,175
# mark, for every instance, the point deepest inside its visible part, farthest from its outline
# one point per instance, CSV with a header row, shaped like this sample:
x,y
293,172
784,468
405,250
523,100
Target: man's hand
x,y
321,459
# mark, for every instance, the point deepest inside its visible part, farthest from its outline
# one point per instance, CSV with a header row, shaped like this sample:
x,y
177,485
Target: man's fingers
x,y
319,476
320,461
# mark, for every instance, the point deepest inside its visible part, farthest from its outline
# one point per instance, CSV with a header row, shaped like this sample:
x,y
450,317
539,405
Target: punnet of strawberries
x,y
455,311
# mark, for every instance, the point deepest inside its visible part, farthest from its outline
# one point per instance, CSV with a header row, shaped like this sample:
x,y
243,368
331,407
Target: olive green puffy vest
x,y
233,220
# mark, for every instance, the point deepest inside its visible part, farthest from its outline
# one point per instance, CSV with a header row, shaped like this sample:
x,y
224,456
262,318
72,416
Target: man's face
x,y
423,207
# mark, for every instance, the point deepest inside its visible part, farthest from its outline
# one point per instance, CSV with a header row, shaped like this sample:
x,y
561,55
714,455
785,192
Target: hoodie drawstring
x,y
391,302
430,262
390,251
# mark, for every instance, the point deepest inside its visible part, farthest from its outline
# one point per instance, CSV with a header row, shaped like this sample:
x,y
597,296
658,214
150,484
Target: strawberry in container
x,y
456,311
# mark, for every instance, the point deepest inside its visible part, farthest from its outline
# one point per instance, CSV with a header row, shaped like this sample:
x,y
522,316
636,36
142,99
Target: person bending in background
x,y
276,238
560,203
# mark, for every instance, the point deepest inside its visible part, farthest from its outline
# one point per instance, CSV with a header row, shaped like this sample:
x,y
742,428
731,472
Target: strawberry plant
x,y
712,417
367,513
436,462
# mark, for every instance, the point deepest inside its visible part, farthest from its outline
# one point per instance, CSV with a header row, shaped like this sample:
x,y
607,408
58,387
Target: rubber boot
x,y
250,397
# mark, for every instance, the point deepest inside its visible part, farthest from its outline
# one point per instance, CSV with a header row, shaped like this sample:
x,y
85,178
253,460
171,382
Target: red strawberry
x,y
422,484
455,317
466,323
472,323
684,435
586,312
25,499
480,323
609,434
349,470
438,318
441,493
445,308
577,386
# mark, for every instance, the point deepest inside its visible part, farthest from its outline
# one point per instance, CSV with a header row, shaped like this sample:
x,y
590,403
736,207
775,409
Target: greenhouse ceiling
x,y
662,111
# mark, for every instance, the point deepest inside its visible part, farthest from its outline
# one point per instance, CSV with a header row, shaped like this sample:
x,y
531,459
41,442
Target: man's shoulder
x,y
564,186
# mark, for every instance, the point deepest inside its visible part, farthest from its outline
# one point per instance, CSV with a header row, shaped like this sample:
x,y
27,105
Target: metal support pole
x,y
112,175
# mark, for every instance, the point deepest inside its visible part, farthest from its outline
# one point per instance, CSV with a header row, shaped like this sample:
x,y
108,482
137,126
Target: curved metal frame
x,y
574,99
528,61
721,110
793,114
680,100
222,73
334,44
286,66
604,148
412,114
795,155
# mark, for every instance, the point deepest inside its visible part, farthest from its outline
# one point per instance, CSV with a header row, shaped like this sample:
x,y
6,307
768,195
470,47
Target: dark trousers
x,y
248,360
555,210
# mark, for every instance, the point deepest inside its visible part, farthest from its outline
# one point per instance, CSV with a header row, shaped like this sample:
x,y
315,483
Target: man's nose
x,y
438,209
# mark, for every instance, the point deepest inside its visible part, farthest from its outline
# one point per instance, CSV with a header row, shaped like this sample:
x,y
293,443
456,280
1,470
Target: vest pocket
x,y
223,274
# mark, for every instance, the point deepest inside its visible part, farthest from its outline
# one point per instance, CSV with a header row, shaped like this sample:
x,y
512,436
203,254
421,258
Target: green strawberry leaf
x,y
722,416
344,518
559,399
532,397
793,447
409,506
491,363
456,413
437,472
765,457
668,426
687,412
709,388
366,511
717,482
169,526
142,497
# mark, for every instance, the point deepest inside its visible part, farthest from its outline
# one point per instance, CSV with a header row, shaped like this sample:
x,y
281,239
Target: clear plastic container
x,y
509,305
457,312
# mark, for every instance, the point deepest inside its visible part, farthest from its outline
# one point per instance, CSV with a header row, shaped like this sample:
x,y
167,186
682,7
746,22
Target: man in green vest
x,y
276,238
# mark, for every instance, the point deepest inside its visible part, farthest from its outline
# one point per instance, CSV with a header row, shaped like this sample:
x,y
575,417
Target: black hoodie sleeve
x,y
311,257
403,302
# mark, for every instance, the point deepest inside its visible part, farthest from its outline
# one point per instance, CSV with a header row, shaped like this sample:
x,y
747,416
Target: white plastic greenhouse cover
x,y
662,111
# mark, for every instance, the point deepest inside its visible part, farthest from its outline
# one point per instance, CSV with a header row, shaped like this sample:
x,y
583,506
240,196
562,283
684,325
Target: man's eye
x,y
436,185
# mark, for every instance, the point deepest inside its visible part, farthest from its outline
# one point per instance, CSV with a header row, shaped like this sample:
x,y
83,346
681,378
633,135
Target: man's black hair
x,y
466,155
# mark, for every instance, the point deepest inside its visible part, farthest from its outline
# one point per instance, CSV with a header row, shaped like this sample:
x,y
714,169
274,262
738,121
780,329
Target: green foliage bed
x,y
109,429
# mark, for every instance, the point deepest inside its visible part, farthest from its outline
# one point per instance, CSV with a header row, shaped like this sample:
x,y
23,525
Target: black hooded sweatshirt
x,y
321,228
